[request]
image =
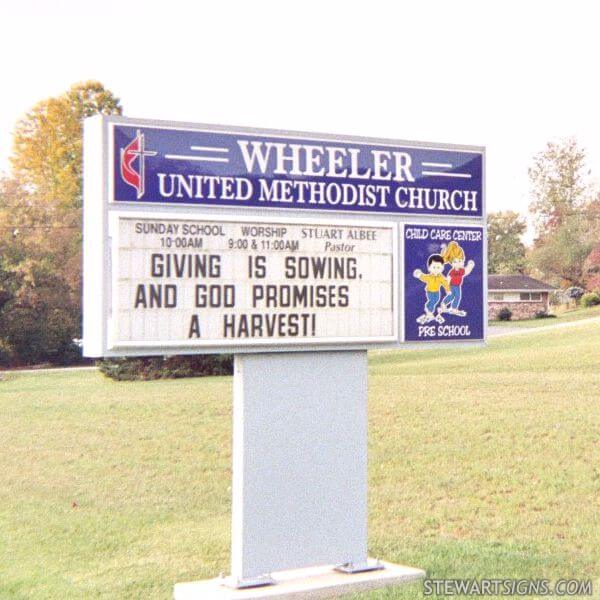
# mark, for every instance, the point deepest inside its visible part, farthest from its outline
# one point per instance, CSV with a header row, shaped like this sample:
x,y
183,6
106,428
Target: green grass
x,y
577,314
483,463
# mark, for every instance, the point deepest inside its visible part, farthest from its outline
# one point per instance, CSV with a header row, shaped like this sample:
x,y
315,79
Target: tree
x,y
560,256
47,161
560,206
48,143
558,184
592,263
506,251
591,269
40,226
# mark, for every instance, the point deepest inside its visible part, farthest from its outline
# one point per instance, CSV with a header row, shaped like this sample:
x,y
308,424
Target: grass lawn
x,y
576,314
483,463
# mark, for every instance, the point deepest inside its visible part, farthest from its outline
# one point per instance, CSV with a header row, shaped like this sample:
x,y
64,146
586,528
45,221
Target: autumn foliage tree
x,y
591,269
558,184
40,227
560,205
560,256
591,265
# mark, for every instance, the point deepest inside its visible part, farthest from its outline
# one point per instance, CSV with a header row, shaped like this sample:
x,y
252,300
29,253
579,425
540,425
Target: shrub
x,y
169,367
590,299
505,314
542,314
39,316
574,292
35,335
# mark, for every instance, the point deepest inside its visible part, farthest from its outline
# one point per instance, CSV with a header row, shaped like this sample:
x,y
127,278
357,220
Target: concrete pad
x,y
314,582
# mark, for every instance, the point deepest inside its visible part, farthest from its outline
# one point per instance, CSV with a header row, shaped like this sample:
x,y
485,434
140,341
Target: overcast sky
x,y
508,75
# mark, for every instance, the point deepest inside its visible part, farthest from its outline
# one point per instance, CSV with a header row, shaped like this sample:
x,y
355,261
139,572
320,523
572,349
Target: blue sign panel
x,y
443,283
208,168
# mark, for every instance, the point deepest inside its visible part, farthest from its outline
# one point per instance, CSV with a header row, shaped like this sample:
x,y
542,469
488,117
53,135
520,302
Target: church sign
x,y
207,239
297,253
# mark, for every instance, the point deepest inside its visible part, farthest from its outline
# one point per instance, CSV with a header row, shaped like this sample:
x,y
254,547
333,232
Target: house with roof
x,y
523,295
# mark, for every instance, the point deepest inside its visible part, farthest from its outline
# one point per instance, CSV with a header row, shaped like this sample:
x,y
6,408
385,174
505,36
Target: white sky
x,y
509,75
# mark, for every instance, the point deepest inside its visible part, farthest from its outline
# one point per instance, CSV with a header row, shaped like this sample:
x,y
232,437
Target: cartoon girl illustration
x,y
454,255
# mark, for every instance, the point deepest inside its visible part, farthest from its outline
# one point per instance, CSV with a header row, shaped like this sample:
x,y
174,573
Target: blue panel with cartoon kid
x,y
443,283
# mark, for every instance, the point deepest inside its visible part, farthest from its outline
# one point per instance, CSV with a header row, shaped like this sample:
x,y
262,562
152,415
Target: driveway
x,y
494,330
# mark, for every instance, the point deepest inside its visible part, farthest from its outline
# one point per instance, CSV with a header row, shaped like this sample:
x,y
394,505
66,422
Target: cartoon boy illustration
x,y
434,280
454,255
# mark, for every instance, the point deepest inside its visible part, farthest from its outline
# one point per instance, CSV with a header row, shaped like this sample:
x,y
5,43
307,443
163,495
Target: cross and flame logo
x,y
134,153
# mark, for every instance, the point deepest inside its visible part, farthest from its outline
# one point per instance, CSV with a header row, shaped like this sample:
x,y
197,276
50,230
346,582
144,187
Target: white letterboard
x,y
229,282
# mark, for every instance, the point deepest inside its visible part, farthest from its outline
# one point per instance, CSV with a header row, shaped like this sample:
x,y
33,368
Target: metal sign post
x,y
297,253
299,463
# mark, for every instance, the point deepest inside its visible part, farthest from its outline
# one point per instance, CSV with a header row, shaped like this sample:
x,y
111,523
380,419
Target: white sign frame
x,y
98,173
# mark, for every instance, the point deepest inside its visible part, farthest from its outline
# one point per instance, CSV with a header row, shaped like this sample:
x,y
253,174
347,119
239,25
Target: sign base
x,y
313,582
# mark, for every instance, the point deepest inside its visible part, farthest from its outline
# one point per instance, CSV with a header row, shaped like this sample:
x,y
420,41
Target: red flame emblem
x,y
132,153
